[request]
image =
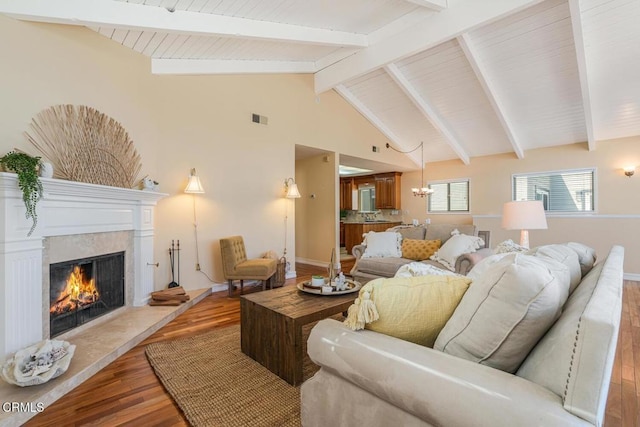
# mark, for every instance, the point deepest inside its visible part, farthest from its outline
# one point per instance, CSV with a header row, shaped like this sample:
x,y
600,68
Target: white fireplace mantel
x,y
67,208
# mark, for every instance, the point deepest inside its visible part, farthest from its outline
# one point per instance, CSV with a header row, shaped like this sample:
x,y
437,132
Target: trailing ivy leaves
x,y
26,167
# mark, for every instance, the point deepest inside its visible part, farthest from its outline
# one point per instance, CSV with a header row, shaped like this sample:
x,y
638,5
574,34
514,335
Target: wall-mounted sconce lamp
x,y
194,186
629,171
291,188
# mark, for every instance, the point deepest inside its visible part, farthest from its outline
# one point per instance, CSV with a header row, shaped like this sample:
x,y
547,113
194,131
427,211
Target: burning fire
x,y
77,293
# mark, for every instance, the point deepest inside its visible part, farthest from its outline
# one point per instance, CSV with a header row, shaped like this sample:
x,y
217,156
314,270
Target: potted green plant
x,y
26,167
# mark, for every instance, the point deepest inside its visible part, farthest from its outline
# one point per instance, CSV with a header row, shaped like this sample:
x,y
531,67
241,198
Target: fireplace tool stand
x,y
174,252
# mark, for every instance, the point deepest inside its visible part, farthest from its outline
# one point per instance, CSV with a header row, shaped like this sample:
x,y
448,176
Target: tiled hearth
x,y
96,347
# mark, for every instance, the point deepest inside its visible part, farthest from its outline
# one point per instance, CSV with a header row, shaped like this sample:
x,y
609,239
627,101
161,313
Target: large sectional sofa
x,y
366,269
367,378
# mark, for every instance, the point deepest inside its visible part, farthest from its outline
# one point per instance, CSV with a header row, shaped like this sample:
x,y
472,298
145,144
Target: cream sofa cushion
x,y
564,255
586,256
413,309
483,266
504,313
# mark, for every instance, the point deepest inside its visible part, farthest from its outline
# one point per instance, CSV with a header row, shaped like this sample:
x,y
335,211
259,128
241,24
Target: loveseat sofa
x,y
366,269
367,378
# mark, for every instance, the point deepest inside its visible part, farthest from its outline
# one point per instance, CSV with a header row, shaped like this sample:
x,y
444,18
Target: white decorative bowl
x,y
38,363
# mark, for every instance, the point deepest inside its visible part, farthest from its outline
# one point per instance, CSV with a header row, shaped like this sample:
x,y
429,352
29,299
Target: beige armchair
x,y
236,266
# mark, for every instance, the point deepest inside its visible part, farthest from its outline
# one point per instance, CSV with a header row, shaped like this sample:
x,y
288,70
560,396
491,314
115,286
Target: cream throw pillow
x,y
382,244
413,309
504,313
457,245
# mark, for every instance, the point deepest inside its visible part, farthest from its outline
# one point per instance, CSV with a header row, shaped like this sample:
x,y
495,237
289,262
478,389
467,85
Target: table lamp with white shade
x,y
524,216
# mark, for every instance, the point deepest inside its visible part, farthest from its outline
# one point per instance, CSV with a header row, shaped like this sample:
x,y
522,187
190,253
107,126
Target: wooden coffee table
x,y
271,326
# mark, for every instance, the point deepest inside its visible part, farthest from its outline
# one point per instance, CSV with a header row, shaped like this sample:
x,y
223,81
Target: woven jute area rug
x,y
215,384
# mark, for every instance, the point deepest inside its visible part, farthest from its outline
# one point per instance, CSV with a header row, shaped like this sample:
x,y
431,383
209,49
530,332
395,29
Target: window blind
x,y
561,191
451,196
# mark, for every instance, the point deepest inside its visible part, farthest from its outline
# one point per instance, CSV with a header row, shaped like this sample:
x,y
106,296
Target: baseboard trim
x,y
632,276
219,287
313,262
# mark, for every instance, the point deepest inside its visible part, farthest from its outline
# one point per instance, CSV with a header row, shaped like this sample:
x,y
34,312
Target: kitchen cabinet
x,y
353,231
342,236
346,191
388,190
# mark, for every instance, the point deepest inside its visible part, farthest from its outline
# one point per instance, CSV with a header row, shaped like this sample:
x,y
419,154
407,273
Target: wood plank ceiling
x,y
468,78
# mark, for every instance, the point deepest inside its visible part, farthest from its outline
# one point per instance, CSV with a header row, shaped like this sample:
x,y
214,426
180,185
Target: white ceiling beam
x,y
461,16
489,88
578,41
368,114
428,110
334,57
131,16
436,5
213,66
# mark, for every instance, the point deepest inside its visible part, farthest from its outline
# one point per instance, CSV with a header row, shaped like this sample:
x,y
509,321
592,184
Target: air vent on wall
x,y
257,118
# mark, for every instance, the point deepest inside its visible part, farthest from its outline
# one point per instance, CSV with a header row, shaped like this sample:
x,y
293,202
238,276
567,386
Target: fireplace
x,y
84,289
76,221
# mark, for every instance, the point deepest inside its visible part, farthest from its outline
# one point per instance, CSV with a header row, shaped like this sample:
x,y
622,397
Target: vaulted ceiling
x,y
469,78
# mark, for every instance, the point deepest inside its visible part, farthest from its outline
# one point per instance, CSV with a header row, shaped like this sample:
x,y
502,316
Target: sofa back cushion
x,y
565,255
410,231
442,232
586,256
504,313
575,358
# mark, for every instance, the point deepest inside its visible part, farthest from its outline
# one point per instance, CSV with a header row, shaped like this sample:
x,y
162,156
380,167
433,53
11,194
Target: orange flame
x,y
78,292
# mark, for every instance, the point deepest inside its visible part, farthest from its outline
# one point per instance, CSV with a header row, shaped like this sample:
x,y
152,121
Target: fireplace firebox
x,y
84,289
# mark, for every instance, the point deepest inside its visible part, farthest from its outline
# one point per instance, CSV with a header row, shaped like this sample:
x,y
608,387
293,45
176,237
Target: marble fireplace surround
x,y
111,217
77,246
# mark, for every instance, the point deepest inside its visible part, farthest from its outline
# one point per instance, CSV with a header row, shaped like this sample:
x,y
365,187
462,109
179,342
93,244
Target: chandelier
x,y
423,190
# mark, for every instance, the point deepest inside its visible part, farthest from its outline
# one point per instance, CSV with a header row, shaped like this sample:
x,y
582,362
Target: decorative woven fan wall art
x,y
85,145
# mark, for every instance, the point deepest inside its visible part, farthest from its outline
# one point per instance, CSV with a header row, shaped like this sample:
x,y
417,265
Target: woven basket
x,y
281,270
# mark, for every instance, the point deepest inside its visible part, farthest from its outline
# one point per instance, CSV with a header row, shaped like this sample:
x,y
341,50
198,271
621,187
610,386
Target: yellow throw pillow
x,y
413,309
419,249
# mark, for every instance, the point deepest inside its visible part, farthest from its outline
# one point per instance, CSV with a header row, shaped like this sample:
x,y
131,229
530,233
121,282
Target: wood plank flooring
x,y
127,392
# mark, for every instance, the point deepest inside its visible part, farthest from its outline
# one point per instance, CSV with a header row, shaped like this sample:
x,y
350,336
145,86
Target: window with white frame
x,y
449,196
560,191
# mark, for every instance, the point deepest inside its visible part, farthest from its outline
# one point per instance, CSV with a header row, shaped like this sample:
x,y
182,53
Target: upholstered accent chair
x,y
236,266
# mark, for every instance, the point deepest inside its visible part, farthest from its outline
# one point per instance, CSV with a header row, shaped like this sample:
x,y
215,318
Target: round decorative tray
x,y
352,286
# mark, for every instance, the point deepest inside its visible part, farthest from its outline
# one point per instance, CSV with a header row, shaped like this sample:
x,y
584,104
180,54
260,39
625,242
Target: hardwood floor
x,y
127,391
